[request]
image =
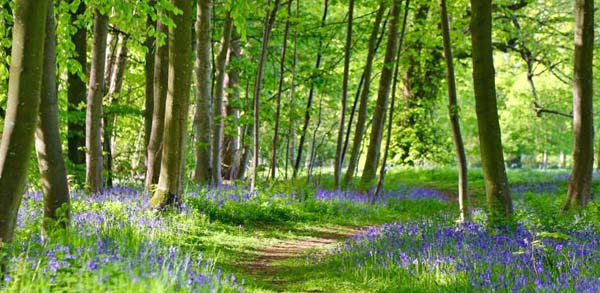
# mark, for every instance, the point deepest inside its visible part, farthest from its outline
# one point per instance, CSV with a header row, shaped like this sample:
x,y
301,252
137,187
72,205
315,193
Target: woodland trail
x,y
284,263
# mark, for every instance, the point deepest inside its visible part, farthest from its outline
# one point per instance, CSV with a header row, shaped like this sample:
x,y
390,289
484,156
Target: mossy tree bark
x,y
499,202
149,85
178,93
233,133
24,90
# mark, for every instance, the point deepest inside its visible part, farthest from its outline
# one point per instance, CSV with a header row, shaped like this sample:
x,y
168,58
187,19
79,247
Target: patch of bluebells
x,y
520,261
403,193
114,232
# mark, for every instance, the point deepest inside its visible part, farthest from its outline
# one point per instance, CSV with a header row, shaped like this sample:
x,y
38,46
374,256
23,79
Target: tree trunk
x,y
311,94
383,93
231,144
454,111
180,73
339,155
364,97
246,132
269,21
291,139
218,113
279,92
496,183
149,85
93,120
48,141
76,93
580,182
24,89
161,74
202,117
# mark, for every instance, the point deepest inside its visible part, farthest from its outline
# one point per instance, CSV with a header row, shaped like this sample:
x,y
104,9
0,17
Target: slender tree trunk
x,y
364,97
161,74
180,73
339,155
202,118
76,92
313,143
291,139
48,141
311,94
218,113
279,92
383,93
246,132
388,139
580,182
149,85
268,27
231,144
454,111
24,90
93,120
497,190
114,90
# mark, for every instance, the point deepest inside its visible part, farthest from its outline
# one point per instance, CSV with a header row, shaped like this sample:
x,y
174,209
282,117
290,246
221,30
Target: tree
x,y
231,143
161,74
580,182
461,158
180,73
24,91
202,118
148,83
383,93
496,183
339,154
47,138
93,120
76,89
364,97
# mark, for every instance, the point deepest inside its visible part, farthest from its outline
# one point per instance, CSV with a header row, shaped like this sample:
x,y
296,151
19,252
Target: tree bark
x,y
180,73
580,182
76,92
149,85
364,97
93,120
202,117
280,91
339,155
24,90
269,21
161,74
231,144
496,183
311,94
218,113
291,139
48,141
454,111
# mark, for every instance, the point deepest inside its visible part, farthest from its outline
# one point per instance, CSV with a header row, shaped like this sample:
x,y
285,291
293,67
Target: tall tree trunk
x,y
180,73
231,144
48,141
24,90
268,27
76,92
291,139
496,183
114,90
202,117
279,92
383,93
388,139
161,74
580,182
339,151
454,111
218,113
364,97
93,119
148,83
246,132
311,94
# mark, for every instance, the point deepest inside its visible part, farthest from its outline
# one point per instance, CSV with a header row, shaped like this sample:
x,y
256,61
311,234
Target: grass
x,y
211,240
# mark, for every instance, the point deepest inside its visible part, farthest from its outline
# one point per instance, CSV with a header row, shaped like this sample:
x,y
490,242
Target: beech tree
x,y
20,122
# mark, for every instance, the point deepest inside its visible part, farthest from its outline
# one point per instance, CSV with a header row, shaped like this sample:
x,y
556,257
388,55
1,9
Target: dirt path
x,y
268,264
